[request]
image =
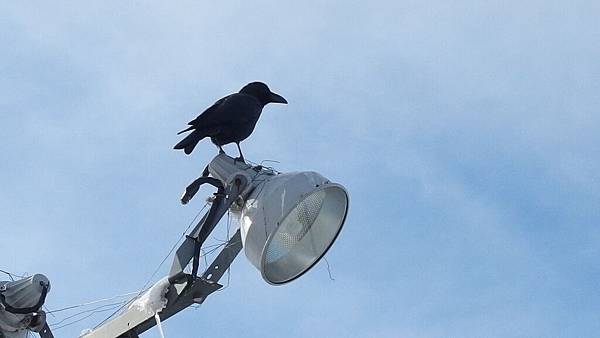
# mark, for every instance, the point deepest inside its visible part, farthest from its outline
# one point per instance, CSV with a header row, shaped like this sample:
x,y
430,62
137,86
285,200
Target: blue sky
x,y
466,133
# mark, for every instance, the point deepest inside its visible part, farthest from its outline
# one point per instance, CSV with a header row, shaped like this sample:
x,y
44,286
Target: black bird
x,y
230,119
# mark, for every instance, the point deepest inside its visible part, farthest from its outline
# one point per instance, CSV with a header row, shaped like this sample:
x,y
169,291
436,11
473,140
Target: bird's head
x,y
262,93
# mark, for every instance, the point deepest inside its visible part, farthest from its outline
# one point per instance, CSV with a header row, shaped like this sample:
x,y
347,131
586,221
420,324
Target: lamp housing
x,y
289,221
20,305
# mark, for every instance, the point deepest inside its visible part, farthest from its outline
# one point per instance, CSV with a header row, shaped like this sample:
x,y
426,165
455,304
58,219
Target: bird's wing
x,y
237,109
209,112
233,109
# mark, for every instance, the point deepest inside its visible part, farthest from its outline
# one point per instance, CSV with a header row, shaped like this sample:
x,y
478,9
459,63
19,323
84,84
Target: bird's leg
x,y
241,158
221,151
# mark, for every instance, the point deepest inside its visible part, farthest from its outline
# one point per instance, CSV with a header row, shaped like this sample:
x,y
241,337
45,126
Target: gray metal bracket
x,y
200,288
45,332
190,247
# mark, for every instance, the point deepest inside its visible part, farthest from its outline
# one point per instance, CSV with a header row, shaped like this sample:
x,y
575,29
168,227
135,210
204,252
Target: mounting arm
x,y
187,289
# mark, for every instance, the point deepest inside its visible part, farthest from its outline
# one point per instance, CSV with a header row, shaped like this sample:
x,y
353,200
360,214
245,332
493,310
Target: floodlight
x,y
20,305
289,221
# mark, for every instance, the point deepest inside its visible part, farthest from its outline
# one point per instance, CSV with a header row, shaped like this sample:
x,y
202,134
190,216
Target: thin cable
x,y
254,164
80,319
272,161
10,275
92,302
229,267
328,269
144,288
175,245
216,247
228,239
86,311
47,311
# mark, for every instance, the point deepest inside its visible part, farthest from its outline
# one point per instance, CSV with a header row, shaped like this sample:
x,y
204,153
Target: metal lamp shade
x,y
22,293
289,221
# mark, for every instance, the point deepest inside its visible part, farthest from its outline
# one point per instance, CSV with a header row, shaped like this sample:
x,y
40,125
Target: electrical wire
x,y
215,247
97,309
86,311
328,268
83,318
92,302
228,238
145,287
175,245
10,275
254,164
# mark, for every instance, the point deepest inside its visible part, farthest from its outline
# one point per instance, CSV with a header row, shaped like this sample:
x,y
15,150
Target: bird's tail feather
x,y
189,148
189,142
187,129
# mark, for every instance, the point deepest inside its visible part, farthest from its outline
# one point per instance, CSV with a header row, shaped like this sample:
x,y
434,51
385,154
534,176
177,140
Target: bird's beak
x,y
276,98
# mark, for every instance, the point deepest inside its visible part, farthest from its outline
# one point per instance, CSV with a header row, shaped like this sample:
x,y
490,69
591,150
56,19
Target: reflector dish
x,y
290,221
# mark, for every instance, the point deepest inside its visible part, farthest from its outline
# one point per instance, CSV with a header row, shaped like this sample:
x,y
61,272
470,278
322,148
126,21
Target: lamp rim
x,y
323,186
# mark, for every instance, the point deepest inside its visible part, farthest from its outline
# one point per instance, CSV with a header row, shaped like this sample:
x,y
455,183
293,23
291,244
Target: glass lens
x,y
304,235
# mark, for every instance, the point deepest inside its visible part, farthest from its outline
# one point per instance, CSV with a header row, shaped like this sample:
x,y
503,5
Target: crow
x,y
231,119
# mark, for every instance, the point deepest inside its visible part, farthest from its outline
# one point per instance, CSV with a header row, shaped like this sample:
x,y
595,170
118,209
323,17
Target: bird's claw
x,y
241,159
